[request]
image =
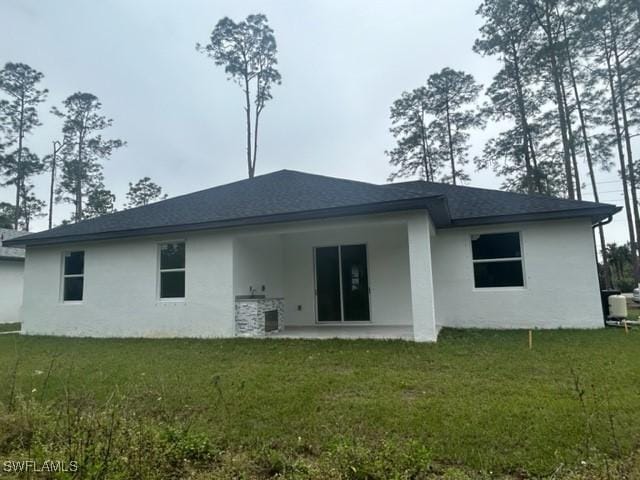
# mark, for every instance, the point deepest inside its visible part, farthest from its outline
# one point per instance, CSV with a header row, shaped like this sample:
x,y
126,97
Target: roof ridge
x,y
166,200
349,180
263,175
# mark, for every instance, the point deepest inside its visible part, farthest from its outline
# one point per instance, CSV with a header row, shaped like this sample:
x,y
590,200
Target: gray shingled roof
x,y
473,206
289,196
10,253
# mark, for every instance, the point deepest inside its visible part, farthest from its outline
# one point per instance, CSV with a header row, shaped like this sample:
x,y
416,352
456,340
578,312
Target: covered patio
x,y
364,277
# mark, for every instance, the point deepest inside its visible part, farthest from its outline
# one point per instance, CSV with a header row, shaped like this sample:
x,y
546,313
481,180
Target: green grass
x,y
9,327
477,401
633,312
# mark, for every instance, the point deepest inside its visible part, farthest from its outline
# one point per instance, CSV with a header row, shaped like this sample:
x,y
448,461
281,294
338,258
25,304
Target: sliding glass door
x,y
328,298
342,284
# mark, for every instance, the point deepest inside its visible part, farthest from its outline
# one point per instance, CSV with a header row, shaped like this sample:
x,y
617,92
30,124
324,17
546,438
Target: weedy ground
x,y
476,405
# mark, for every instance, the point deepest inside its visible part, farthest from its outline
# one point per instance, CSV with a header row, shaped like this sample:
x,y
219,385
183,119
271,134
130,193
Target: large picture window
x,y
73,276
497,260
172,270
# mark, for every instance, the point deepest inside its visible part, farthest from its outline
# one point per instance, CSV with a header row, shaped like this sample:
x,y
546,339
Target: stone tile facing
x,y
249,314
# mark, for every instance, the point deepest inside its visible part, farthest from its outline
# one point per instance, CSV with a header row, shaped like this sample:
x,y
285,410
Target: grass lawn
x,y
9,327
633,312
478,404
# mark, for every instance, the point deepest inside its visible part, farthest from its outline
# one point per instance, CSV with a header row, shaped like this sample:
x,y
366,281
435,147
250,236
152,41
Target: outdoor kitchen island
x,y
258,316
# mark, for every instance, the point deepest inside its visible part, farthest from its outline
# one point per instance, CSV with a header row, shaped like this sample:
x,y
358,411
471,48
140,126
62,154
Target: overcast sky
x,y
343,62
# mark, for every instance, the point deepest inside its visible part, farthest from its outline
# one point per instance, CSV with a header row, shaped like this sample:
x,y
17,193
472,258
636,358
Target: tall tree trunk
x,y
532,179
53,181
623,169
534,161
588,156
453,162
563,129
255,140
627,137
248,112
555,74
572,142
430,168
78,186
423,146
16,213
592,175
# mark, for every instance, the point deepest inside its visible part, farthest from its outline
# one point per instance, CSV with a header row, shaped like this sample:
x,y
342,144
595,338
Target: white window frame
x,y
73,275
160,271
499,260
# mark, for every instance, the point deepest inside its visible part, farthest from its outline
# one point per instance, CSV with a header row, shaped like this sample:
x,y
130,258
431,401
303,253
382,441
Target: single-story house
x,y
11,273
300,255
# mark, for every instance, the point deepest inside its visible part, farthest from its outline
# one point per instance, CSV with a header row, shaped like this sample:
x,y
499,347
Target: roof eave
x,y
9,258
435,204
596,215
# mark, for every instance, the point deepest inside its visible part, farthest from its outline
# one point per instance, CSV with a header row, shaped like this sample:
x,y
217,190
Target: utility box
x,y
617,307
604,298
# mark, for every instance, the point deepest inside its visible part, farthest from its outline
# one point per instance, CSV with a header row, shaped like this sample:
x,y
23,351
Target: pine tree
x,y
452,96
507,34
83,149
143,192
19,117
414,151
247,50
31,207
100,201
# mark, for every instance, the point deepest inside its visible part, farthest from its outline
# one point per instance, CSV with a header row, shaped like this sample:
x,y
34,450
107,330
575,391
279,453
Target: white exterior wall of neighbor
x,y
561,280
121,290
11,278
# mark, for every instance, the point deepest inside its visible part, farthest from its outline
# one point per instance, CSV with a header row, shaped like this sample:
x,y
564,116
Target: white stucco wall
x,y
121,279
121,290
258,260
11,275
388,262
561,283
420,230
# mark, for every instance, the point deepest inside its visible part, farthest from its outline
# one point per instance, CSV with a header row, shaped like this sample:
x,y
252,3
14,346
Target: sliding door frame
x,y
315,285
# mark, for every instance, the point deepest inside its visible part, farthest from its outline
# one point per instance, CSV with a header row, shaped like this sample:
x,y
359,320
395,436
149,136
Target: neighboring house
x,y
11,273
331,257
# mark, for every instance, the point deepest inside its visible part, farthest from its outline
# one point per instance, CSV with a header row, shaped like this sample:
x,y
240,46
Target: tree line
x,y
75,162
568,88
246,49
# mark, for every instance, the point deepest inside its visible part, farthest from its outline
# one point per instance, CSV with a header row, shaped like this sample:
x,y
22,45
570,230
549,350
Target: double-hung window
x,y
172,270
73,276
497,260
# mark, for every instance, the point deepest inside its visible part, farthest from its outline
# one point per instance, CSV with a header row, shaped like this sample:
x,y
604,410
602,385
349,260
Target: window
x,y
497,260
73,276
172,270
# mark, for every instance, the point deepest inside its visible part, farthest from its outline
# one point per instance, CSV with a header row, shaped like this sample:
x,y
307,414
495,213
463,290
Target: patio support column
x,y
422,298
